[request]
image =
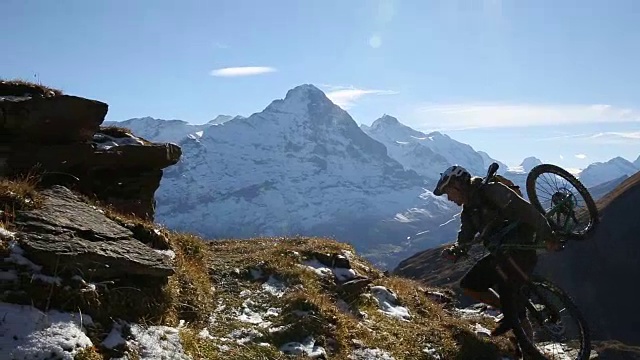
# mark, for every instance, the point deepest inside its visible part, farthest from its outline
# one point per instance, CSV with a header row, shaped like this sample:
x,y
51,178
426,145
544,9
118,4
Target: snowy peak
x,y
601,172
529,163
488,160
385,121
302,99
637,162
427,154
221,119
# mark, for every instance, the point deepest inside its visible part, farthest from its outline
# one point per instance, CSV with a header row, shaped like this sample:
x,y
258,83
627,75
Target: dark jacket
x,y
495,201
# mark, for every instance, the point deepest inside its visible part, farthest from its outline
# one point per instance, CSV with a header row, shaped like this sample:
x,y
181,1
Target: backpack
x,y
510,184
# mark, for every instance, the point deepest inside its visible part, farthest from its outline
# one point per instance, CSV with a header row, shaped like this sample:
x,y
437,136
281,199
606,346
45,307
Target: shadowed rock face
x,y
60,136
600,273
68,236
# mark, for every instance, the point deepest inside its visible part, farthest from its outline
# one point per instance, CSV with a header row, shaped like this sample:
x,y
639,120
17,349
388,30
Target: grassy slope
x,y
214,281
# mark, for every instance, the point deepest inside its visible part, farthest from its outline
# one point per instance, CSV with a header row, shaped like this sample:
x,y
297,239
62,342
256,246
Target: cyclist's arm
x,y
467,231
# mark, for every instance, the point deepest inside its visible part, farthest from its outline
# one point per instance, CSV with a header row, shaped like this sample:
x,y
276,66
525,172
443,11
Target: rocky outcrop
x,y
60,136
67,236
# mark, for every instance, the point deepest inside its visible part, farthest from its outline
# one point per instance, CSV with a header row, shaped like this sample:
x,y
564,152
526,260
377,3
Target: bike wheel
x,y
548,186
551,314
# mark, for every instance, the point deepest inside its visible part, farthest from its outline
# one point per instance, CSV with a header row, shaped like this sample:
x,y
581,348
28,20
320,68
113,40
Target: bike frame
x,y
495,245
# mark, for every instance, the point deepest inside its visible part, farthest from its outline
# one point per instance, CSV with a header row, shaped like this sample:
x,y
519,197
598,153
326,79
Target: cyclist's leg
x,y
518,263
477,282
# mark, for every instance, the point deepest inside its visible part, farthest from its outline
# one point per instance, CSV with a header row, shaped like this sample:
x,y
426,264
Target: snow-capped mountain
x,y
301,166
637,162
526,165
488,160
167,130
601,172
427,154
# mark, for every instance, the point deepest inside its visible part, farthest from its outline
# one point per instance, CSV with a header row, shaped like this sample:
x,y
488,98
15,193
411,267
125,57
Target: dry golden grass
x,y
231,263
121,132
212,279
116,131
19,87
18,194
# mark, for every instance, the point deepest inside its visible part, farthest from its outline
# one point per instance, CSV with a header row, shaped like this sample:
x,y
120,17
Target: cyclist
x,y
485,209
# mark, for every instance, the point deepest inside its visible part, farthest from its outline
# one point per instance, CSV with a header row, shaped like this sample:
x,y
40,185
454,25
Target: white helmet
x,y
455,171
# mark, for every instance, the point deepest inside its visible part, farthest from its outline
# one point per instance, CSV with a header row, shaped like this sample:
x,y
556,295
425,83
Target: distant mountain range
x,y
303,166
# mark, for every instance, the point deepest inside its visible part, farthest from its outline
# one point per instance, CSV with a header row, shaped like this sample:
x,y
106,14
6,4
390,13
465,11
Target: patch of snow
x,y
388,303
243,336
557,351
370,354
307,347
115,337
156,342
472,312
17,257
168,253
429,350
28,333
106,142
274,286
249,315
481,330
342,274
6,234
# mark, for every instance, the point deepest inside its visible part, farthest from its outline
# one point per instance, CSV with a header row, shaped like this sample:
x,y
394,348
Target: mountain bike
x,y
530,295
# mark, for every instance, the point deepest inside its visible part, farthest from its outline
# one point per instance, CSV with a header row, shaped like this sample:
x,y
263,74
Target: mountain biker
x,y
485,209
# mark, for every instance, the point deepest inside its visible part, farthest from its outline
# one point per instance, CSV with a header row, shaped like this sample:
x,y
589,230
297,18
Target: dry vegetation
x,y
211,282
17,194
121,132
20,87
116,131
328,323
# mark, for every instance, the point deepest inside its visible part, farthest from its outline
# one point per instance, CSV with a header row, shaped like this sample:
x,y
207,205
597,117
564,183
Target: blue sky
x,y
497,74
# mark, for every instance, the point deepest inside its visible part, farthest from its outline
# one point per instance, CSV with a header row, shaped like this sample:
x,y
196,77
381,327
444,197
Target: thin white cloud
x,y
347,97
561,157
581,156
601,138
634,135
242,71
488,115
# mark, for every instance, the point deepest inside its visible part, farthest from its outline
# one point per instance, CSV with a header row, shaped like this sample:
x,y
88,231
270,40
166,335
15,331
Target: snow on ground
x,y
28,333
370,354
274,286
16,256
148,342
250,313
388,303
429,350
342,274
6,234
306,347
106,142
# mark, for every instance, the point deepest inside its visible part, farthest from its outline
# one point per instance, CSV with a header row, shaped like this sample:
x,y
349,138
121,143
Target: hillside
x,y
183,297
595,272
85,275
